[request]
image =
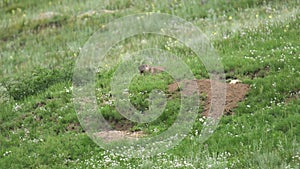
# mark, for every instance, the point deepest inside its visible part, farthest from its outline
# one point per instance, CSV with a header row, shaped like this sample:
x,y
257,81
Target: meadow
x,y
258,42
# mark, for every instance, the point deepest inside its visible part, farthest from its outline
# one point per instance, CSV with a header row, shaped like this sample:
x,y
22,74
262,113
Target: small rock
x,y
234,81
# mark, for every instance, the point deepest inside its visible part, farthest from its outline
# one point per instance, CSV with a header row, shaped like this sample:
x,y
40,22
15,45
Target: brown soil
x,y
234,94
116,135
121,125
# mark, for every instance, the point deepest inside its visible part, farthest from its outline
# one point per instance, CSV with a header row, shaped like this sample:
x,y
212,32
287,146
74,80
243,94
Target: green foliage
x,y
36,81
257,40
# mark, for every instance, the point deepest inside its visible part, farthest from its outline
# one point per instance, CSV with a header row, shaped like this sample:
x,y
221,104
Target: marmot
x,y
150,69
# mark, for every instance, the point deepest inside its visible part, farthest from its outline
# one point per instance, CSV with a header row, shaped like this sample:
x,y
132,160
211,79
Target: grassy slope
x,y
259,44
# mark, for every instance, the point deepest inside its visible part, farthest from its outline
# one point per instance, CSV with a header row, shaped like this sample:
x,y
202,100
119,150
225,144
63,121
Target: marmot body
x,y
150,69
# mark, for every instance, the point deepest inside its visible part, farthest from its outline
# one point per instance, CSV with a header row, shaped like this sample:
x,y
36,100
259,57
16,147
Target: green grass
x,y
258,41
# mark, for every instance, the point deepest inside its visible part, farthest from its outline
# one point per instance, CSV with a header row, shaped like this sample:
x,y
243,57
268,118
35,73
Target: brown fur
x,y
150,69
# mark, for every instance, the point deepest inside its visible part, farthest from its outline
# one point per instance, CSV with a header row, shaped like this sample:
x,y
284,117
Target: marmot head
x,y
144,68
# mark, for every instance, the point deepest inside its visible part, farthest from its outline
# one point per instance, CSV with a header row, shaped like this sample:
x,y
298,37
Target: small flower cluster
x,y
296,157
35,140
6,153
17,107
110,160
69,90
106,98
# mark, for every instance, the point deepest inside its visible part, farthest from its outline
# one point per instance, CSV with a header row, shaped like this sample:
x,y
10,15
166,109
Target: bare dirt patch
x,y
234,94
116,135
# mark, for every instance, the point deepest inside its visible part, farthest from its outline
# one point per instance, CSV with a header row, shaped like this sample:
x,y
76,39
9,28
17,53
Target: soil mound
x,y
235,92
